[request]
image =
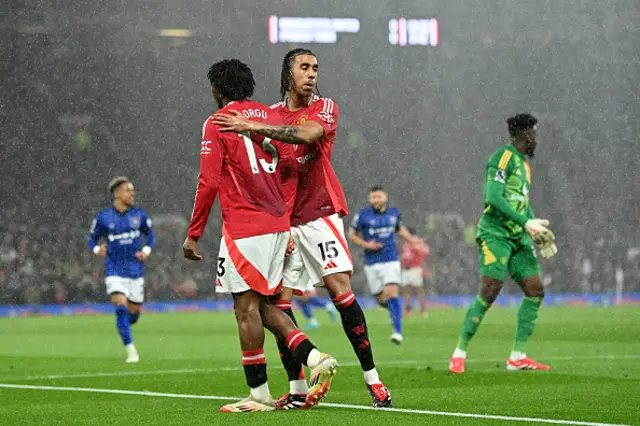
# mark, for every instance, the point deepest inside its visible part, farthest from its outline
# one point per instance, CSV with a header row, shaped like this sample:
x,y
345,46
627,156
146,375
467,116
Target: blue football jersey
x,y
123,234
381,227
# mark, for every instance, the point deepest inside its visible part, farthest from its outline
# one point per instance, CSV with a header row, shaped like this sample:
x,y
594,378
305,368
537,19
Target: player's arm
x,y
97,232
404,233
323,121
149,233
497,175
211,161
301,134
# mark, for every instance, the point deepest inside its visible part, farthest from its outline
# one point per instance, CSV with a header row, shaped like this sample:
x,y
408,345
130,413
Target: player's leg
x,y
494,257
422,300
307,310
135,299
406,295
294,274
391,276
525,270
118,290
323,366
327,260
246,307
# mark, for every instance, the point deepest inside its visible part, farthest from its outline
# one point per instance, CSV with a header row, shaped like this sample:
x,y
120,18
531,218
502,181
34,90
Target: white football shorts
x,y
381,274
413,277
253,263
323,250
132,288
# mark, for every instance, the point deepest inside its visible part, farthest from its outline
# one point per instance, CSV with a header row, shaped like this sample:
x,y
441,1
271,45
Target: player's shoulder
x,y
327,105
393,211
501,157
137,210
277,106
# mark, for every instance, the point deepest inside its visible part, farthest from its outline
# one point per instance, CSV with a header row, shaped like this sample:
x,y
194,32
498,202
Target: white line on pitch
x,y
346,406
397,363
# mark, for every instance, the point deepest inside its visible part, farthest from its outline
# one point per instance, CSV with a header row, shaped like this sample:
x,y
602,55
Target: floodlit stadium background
x,y
91,89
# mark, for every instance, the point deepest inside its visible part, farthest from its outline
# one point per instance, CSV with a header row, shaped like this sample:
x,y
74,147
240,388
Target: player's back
x,y
413,255
319,193
251,195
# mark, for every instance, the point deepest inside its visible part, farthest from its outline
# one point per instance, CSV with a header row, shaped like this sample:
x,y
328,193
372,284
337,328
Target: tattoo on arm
x,y
287,134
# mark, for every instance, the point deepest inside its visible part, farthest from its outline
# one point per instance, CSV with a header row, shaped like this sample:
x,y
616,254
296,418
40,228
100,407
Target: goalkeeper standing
x,y
506,233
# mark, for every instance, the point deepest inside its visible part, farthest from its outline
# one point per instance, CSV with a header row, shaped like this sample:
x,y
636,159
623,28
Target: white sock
x,y
459,353
371,377
517,356
314,358
261,393
298,387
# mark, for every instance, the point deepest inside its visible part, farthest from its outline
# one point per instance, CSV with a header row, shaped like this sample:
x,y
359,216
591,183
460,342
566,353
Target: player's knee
x,y
118,299
490,289
391,290
337,284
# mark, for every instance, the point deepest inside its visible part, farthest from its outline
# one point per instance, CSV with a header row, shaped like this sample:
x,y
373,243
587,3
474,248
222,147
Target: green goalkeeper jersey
x,y
506,195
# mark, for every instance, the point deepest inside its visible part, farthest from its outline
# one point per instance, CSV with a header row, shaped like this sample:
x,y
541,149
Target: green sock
x,y
472,321
527,314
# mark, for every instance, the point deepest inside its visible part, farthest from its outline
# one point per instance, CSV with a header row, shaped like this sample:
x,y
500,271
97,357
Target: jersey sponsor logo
x,y
124,237
204,148
307,158
501,176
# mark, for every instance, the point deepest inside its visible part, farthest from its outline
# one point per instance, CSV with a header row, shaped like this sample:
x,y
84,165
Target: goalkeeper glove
x,y
538,230
548,249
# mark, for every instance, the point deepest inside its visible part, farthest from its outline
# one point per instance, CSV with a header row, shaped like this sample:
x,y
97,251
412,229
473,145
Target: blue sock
x,y
133,318
122,324
395,312
306,310
317,302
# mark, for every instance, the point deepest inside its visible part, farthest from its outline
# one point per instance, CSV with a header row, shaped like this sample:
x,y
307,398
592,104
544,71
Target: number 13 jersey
x,y
251,173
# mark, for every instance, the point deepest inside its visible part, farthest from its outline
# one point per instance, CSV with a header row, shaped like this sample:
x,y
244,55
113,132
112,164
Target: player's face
x,y
304,73
217,97
378,200
531,136
126,194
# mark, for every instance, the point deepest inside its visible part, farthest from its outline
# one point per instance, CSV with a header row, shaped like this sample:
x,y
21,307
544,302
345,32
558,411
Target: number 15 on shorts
x,y
328,250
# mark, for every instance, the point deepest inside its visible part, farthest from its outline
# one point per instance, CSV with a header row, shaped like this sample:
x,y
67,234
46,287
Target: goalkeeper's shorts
x,y
499,256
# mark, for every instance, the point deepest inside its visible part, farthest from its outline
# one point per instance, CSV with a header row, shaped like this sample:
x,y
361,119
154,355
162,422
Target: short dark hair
x,y
519,123
376,188
232,79
116,182
285,74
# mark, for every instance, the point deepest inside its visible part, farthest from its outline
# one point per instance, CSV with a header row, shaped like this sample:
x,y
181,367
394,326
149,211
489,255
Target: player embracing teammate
x,y
310,124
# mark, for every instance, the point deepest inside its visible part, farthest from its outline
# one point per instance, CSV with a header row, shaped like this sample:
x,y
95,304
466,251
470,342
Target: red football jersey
x,y
319,193
414,255
247,171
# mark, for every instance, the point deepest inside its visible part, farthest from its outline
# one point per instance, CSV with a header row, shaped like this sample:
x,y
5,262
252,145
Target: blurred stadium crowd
x,y
90,91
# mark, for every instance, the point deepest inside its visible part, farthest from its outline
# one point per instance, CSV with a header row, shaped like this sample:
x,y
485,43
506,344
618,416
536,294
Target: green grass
x,y
583,385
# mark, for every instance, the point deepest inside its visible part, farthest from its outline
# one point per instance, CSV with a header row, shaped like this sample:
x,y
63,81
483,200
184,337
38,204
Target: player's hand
x,y
373,245
141,256
189,249
233,122
291,246
102,252
548,249
538,230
